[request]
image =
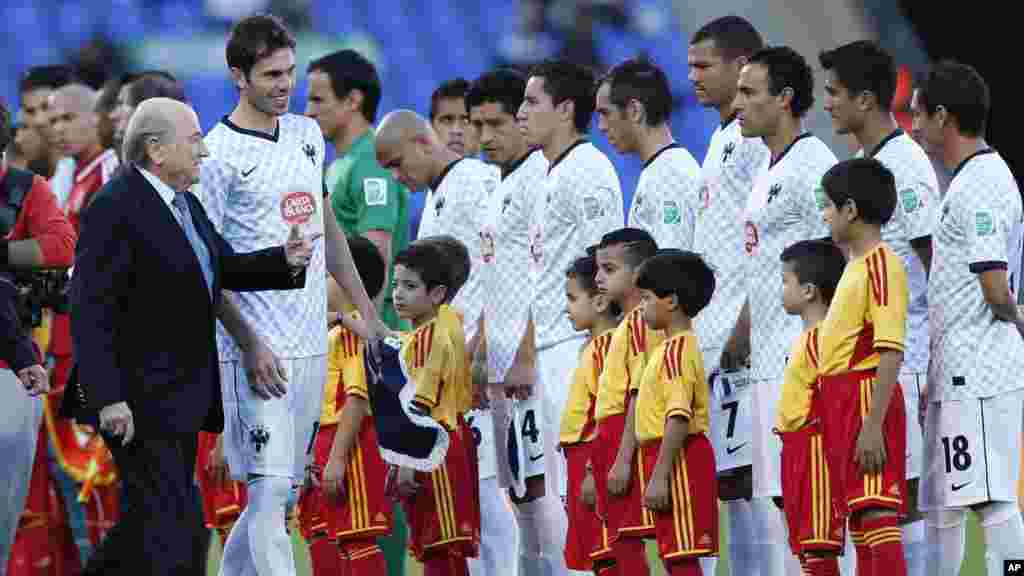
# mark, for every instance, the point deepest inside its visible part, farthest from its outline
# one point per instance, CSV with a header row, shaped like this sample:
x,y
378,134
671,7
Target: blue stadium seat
x,y
333,18
125,21
75,24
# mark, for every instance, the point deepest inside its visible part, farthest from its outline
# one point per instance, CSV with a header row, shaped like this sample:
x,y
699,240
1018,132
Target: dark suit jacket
x,y
142,320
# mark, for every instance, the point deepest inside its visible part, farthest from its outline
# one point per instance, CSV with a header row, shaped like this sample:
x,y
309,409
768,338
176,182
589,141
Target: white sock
x,y
770,540
269,542
1004,534
914,548
529,522
848,561
945,535
236,560
708,565
499,534
742,554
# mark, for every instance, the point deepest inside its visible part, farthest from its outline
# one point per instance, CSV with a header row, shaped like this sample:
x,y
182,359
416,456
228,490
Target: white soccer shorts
x,y
518,447
972,451
731,419
555,366
766,453
272,437
911,383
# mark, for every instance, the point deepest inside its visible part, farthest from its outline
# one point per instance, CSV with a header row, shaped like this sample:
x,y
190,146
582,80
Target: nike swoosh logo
x,y
245,173
734,449
957,487
538,457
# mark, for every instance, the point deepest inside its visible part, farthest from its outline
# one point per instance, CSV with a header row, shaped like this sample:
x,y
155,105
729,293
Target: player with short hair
x,y
861,343
441,516
672,413
588,542
264,179
859,90
775,91
717,53
34,90
345,510
449,116
619,468
634,102
136,87
810,273
973,419
578,201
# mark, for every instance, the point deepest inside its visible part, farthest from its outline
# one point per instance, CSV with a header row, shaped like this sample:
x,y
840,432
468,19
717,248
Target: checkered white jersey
x,y
666,198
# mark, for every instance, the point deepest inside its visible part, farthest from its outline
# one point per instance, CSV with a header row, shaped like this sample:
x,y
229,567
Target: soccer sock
x,y
741,538
688,567
848,560
821,566
444,565
1004,534
946,541
860,545
769,543
361,557
236,559
323,556
630,556
271,548
914,547
531,550
709,565
606,569
885,539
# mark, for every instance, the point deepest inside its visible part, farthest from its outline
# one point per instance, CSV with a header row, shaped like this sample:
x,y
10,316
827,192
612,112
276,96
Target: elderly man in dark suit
x,y
146,290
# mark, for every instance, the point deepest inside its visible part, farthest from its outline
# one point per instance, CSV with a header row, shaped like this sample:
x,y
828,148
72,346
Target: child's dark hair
x,y
426,259
584,271
456,256
369,264
678,272
818,262
868,183
637,245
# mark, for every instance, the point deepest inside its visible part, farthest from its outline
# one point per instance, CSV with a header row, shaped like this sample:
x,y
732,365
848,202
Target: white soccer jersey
x,y
457,204
255,187
784,208
505,249
665,201
917,191
974,354
579,201
730,166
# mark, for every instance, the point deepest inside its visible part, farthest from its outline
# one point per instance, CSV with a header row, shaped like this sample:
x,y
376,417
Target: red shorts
x,y
690,528
587,540
221,503
474,465
363,511
846,400
626,515
442,513
813,516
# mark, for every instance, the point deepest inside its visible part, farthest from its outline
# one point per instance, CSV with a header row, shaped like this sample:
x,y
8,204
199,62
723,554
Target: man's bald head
x,y
407,146
163,137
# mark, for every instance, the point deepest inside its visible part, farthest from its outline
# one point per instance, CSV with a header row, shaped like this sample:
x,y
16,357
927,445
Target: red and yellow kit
x,y
587,540
868,314
363,511
444,514
222,503
673,384
813,516
628,353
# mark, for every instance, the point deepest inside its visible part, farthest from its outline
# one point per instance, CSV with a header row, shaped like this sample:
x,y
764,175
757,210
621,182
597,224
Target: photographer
x,y
34,234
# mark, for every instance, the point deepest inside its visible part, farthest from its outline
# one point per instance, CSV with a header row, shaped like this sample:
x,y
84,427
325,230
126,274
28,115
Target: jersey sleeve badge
x,y
375,191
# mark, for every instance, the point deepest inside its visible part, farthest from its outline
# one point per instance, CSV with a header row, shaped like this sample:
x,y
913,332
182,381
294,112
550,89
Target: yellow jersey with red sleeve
x,y
453,321
868,313
346,373
578,423
435,361
799,383
624,364
673,384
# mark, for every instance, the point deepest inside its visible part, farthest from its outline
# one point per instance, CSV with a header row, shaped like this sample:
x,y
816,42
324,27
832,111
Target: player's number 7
x,y
733,407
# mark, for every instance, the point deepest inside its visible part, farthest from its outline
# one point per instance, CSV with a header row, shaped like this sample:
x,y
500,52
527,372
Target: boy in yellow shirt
x,y
672,415
810,272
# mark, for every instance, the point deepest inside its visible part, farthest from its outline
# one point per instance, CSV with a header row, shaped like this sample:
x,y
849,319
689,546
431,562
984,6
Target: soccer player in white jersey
x,y
264,176
717,53
493,101
775,91
578,202
860,85
973,419
634,102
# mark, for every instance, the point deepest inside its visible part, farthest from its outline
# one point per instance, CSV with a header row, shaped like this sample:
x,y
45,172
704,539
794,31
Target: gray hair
x,y
149,123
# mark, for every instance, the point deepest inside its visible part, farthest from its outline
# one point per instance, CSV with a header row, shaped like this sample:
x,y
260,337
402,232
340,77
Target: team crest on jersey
x,y
375,190
910,200
505,203
672,214
259,435
984,223
592,209
438,205
487,247
750,244
704,198
310,153
298,207
727,152
773,192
